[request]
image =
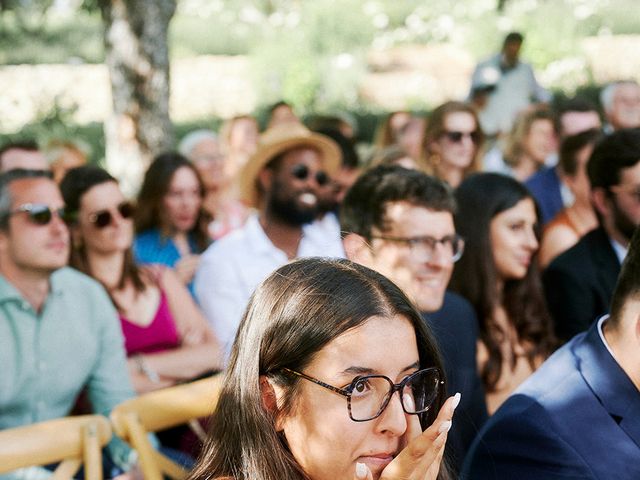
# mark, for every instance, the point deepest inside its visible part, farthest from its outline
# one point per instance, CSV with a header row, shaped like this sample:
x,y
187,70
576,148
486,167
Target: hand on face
x,y
420,459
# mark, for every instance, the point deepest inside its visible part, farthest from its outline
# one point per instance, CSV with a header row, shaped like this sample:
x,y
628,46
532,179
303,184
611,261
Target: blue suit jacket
x,y
545,187
577,417
455,327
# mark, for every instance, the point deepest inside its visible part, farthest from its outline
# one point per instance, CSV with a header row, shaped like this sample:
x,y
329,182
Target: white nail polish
x,y
456,400
444,426
361,470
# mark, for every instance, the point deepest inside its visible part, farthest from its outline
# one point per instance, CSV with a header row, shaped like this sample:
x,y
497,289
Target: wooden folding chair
x,y
159,410
72,441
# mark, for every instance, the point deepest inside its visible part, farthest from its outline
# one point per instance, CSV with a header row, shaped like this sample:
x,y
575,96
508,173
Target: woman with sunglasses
x,y
452,142
498,274
333,376
171,226
166,337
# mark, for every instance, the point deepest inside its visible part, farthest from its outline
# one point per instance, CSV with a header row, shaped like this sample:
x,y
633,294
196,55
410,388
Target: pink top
x,y
161,334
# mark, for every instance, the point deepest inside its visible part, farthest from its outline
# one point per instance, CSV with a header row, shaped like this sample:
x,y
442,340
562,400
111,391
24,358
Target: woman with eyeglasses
x,y
333,376
166,337
452,142
498,274
171,227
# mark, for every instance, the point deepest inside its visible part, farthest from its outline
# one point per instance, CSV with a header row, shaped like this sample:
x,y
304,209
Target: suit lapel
x,y
611,385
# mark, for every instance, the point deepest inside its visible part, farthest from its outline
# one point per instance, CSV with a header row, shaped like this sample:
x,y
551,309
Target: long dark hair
x,y
291,316
74,185
156,185
480,198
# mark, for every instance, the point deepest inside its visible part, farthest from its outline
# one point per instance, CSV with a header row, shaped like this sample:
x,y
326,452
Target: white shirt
x,y
603,319
232,268
619,249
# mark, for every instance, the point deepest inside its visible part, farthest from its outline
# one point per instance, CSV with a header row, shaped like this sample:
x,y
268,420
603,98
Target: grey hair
x,y
191,139
5,194
608,92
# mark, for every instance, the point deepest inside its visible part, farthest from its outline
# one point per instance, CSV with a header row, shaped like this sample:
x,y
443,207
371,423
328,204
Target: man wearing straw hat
x,y
281,181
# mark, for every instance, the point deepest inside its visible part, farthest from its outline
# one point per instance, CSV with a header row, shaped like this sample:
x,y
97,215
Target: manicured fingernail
x,y
408,402
444,426
361,470
456,401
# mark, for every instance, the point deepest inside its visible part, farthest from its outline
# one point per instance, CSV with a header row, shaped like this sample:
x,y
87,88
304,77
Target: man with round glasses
x,y
400,223
282,180
59,333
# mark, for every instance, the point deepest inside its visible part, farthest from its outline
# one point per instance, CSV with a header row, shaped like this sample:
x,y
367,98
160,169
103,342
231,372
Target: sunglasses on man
x,y
302,172
41,214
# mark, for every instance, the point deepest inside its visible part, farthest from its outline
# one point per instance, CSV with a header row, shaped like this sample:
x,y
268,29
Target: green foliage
x,y
58,40
312,53
191,36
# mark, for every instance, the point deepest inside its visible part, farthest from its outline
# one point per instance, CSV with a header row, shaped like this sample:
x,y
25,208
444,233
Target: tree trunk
x,y
137,56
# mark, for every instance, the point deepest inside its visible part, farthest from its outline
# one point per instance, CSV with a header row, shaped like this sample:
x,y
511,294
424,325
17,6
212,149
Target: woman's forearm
x,y
185,362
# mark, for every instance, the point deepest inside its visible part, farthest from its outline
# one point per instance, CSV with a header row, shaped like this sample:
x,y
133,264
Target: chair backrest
x,y
72,441
159,410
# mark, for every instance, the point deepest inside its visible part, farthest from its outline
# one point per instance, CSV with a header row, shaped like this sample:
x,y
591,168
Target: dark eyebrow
x,y
355,370
413,366
358,371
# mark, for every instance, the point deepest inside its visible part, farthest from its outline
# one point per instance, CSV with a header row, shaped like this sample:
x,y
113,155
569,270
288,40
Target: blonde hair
x,y
514,146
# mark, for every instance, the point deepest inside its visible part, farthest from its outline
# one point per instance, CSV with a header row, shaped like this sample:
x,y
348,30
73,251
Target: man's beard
x,y
622,222
287,210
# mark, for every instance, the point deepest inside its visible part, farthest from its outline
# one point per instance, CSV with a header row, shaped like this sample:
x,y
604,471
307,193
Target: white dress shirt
x,y
232,268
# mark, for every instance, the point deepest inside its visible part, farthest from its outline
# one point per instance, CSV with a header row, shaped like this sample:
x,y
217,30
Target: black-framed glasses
x,y
102,218
41,214
302,172
368,395
453,245
456,136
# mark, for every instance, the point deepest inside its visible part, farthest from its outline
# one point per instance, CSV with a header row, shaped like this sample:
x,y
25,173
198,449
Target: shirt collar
x,y
257,237
619,249
601,321
9,292
261,243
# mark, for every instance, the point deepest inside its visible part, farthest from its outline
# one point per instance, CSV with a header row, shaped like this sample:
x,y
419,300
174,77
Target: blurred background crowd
x,y
504,211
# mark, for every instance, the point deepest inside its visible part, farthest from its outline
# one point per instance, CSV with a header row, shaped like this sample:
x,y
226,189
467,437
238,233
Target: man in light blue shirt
x,y
510,84
59,332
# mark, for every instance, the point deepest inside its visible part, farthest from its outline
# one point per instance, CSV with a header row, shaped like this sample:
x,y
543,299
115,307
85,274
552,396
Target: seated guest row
x,y
407,225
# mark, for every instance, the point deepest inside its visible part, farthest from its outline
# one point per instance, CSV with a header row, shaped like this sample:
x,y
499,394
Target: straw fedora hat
x,y
277,140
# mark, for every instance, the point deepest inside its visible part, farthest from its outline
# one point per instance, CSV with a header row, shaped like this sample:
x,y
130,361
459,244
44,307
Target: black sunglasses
x,y
301,172
102,218
457,136
40,214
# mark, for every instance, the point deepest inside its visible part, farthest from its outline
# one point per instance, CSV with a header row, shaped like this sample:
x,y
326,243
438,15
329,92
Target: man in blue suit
x,y
400,223
578,416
